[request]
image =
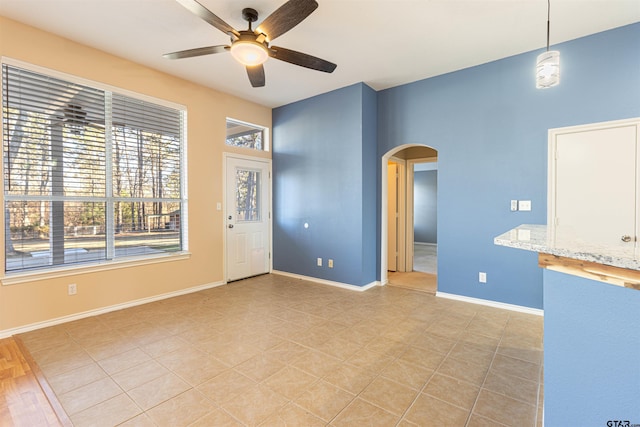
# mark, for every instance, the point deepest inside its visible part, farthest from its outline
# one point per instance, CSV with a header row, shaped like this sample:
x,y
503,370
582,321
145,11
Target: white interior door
x,y
247,218
596,185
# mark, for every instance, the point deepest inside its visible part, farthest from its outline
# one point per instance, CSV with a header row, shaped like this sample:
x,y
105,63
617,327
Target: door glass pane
x,y
247,195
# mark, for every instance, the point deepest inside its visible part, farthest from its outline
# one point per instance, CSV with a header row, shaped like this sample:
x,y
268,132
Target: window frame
x,y
265,136
26,275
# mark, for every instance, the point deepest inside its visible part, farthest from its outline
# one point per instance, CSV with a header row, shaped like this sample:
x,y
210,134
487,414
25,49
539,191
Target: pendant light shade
x,y
548,69
548,63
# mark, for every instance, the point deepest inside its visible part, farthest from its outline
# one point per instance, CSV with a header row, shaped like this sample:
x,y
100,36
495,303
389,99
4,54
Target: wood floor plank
x,y
23,400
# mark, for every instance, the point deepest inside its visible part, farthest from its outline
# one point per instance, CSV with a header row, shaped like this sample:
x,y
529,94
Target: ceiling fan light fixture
x,y
248,52
251,47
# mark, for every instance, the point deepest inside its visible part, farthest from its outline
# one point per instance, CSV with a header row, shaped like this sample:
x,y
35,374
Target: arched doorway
x,y
403,185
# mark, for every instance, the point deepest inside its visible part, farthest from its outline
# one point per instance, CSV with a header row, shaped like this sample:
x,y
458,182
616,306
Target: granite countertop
x,y
539,238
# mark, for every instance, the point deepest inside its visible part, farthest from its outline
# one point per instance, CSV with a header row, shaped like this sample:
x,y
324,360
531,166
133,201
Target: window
x,y
248,195
241,134
90,175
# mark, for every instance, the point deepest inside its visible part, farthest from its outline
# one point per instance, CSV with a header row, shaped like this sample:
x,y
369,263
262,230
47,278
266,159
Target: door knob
x,y
230,225
626,238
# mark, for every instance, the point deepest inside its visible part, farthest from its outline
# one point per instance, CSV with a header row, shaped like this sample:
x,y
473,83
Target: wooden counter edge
x,y
591,270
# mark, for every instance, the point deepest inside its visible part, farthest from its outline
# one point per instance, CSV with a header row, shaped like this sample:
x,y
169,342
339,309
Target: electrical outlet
x,y
72,289
330,263
319,262
482,277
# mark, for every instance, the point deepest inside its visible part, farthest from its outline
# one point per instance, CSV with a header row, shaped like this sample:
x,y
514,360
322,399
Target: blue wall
x,y
591,348
425,204
324,153
370,177
489,124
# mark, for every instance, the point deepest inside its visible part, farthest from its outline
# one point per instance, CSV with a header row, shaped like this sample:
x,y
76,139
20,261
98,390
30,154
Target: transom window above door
x,y
245,135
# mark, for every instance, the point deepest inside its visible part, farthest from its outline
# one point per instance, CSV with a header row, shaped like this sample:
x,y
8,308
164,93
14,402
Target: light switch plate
x,y
524,205
514,205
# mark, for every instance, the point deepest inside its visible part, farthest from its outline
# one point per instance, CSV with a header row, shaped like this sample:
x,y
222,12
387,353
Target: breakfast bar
x,y
591,326
617,265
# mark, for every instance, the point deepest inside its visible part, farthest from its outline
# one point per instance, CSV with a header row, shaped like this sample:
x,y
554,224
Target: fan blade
x,y
190,53
205,14
256,75
286,17
301,59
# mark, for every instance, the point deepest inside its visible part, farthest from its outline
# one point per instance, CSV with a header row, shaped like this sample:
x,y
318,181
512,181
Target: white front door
x,y
596,184
247,218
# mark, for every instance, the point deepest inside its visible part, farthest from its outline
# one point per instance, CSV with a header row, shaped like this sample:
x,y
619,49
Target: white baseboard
x,y
64,319
425,244
328,282
503,305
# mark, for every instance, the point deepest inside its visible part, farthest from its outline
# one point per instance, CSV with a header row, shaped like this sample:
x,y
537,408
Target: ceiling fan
x,y
251,47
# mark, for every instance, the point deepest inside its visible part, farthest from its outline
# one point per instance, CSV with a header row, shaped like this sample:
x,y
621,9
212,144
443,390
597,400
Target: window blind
x,y
89,175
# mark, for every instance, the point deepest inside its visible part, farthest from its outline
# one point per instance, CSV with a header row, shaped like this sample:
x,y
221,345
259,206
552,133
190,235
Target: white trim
x,y
552,136
401,245
92,83
425,244
329,282
401,264
409,220
64,319
109,214
225,157
265,133
75,269
184,184
384,232
48,272
268,160
384,218
489,303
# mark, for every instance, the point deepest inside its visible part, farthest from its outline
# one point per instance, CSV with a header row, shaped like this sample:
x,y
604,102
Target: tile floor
x,y
278,351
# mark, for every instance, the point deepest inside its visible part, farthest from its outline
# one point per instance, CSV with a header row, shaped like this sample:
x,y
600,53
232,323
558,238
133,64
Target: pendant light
x,y
548,63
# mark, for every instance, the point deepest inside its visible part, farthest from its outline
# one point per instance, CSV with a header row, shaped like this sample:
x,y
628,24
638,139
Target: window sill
x,y
17,278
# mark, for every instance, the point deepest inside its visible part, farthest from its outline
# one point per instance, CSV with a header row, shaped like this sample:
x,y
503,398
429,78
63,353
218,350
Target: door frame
x,y
268,161
401,209
384,200
552,135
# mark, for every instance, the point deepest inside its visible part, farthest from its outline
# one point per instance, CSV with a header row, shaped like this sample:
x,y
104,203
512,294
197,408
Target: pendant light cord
x,y
548,22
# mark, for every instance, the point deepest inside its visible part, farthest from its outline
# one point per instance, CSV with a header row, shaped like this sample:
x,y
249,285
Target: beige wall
x,y
28,303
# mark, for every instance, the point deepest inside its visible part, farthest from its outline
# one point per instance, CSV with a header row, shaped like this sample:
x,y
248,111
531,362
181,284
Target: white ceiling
x,y
383,43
